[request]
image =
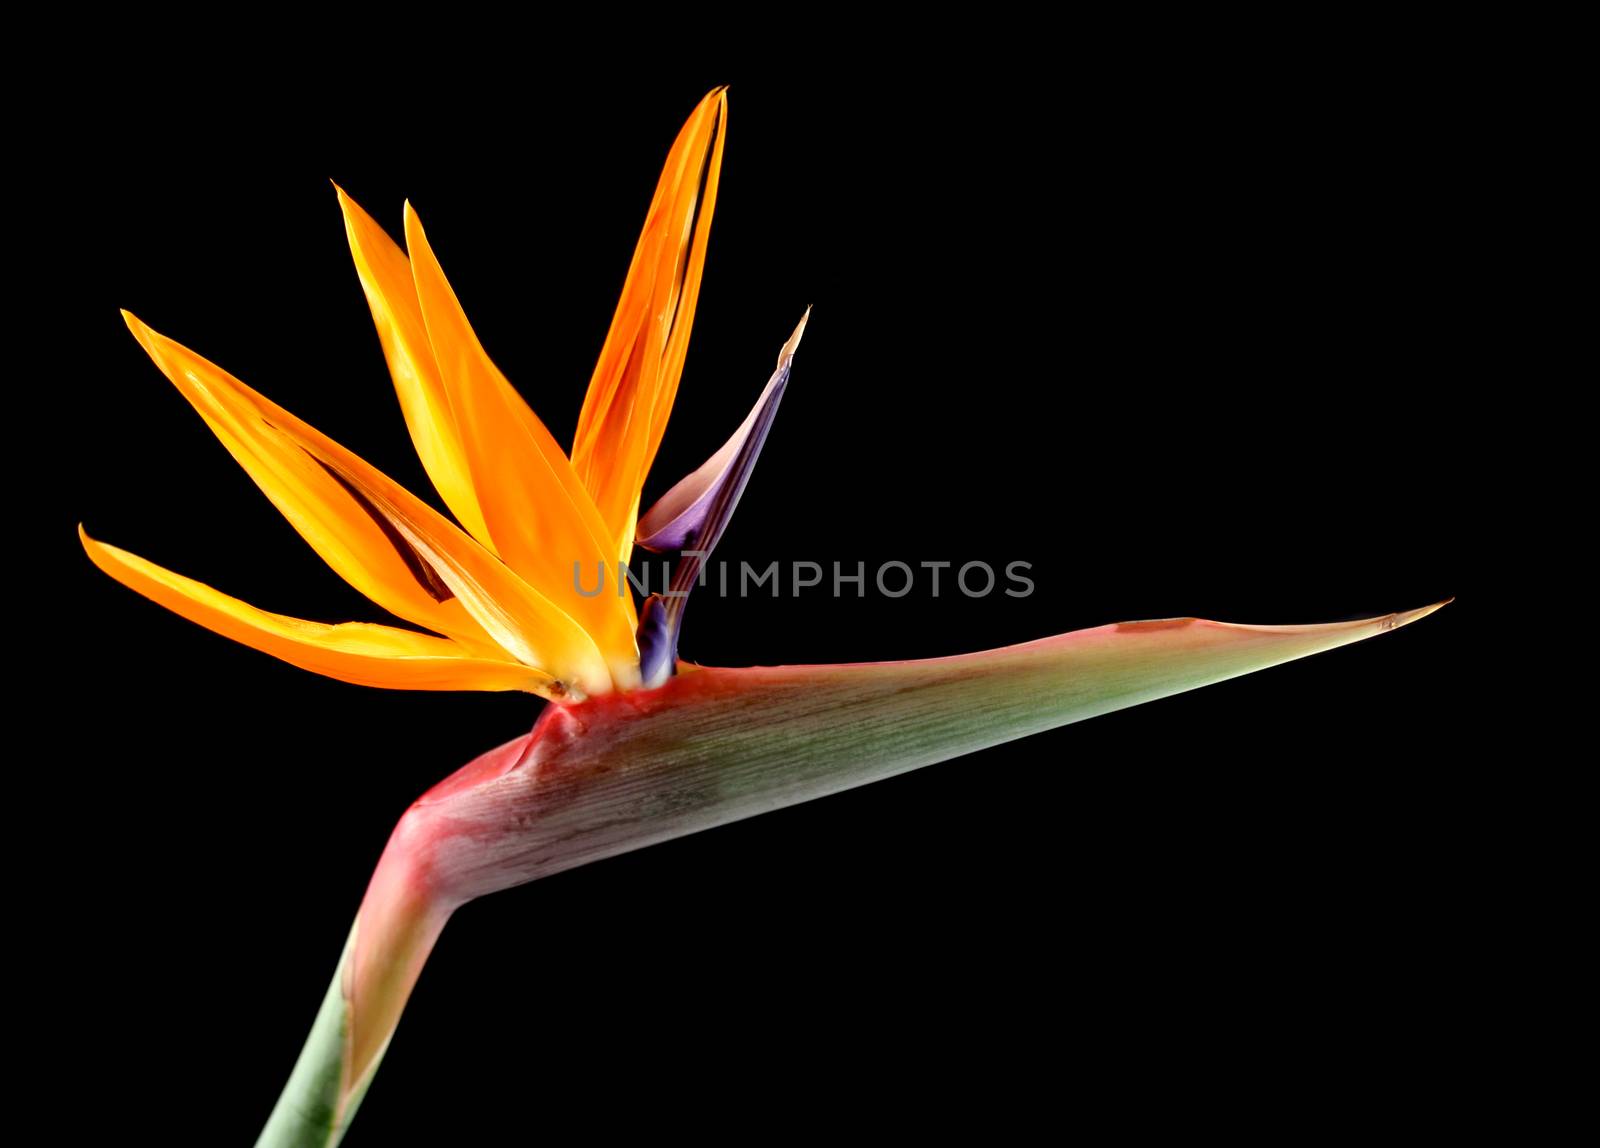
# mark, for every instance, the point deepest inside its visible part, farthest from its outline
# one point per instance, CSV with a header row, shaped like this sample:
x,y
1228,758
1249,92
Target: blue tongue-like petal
x,y
693,513
691,517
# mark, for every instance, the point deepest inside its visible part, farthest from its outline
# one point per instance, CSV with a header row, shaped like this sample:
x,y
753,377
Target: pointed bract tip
x,y
793,344
1406,617
413,224
137,327
350,212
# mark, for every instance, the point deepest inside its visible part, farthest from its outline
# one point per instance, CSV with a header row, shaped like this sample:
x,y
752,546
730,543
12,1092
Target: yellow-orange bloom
x,y
496,594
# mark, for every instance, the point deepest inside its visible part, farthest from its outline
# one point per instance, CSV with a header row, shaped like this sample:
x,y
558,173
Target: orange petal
x,y
358,652
387,542
636,379
327,517
385,274
543,522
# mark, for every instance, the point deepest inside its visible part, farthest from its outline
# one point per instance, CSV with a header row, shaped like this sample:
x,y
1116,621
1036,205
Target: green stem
x,y
307,1114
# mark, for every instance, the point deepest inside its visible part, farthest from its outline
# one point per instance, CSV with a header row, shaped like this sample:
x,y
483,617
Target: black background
x,y
1185,340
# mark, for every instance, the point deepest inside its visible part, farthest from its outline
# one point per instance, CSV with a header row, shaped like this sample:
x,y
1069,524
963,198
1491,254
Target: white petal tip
x,y
793,344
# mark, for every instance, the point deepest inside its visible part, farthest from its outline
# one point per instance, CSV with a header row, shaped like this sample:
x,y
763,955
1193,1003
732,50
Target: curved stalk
x,y
622,771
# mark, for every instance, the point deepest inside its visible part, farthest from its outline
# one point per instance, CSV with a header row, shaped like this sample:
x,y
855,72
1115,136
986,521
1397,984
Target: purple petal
x,y
658,639
694,513
691,517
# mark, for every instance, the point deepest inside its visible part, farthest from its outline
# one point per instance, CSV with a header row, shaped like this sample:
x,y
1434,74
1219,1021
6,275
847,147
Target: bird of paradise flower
x,y
638,746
